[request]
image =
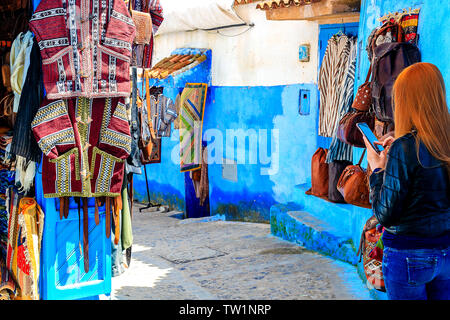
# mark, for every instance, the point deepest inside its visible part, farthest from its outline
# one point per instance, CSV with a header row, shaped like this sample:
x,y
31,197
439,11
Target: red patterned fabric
x,y
85,47
85,143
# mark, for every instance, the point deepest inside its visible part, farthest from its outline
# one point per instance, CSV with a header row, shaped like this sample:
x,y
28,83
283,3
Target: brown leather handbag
x,y
144,26
363,98
354,185
349,133
319,174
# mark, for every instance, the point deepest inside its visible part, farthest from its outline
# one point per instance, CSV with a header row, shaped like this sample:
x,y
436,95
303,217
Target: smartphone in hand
x,y
370,136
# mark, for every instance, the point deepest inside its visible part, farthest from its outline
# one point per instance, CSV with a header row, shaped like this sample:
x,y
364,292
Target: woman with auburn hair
x,y
410,189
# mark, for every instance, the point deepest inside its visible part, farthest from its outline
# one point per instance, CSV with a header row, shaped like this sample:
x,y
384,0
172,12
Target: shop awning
x,y
188,15
275,4
239,2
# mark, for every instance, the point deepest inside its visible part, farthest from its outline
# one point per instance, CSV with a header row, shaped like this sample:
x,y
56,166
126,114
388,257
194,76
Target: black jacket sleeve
x,y
390,187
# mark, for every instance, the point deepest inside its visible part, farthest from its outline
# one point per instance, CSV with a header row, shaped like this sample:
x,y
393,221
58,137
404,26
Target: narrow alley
x,y
194,259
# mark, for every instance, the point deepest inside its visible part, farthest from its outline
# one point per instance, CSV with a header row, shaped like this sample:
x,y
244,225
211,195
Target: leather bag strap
x,y
369,74
116,216
66,207
97,217
62,206
86,235
362,157
108,217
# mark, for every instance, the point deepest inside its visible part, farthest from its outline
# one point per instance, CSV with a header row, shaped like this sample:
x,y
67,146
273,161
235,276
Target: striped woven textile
x,y
331,81
339,150
192,109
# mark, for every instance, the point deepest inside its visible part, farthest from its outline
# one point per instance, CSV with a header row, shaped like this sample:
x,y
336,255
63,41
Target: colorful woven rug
x,y
192,108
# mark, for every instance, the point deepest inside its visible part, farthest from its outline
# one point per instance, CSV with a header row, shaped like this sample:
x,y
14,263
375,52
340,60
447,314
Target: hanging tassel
x,y
30,173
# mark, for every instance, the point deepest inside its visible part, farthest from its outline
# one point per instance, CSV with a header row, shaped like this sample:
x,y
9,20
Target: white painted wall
x,y
265,55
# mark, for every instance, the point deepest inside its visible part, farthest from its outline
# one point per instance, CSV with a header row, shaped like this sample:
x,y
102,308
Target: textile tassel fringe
x,y
25,173
116,217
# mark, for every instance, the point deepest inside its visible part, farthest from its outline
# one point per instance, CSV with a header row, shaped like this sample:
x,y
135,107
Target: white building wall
x,y
265,55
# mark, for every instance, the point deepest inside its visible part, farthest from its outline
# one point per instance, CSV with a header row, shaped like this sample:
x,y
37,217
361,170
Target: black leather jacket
x,y
411,197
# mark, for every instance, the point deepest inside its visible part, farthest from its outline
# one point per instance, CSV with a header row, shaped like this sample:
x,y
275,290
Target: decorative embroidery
x,y
117,43
121,112
62,76
52,43
48,14
112,74
121,17
49,112
106,116
63,137
106,168
74,43
73,151
117,139
63,166
95,36
103,19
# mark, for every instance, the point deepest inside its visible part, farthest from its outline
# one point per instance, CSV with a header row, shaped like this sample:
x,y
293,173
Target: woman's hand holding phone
x,y
374,159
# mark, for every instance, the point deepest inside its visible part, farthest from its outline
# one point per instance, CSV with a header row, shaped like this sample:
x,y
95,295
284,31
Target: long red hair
x,y
420,103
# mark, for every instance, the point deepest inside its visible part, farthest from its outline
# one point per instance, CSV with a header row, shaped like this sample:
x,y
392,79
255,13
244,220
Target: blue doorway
x,y
326,31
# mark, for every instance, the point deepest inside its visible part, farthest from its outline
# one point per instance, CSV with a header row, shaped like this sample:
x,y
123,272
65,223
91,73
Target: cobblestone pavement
x,y
192,259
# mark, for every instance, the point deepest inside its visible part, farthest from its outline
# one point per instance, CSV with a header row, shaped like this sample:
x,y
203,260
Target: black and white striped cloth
x,y
339,150
336,86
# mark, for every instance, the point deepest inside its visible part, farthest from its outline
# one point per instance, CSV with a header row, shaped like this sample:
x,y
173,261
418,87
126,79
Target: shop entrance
x,y
325,33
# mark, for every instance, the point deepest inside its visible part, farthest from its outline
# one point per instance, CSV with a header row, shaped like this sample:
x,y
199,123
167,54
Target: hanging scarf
x,y
19,64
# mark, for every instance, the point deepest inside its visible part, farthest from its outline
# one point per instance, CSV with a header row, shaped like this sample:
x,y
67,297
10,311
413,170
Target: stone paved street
x,y
197,259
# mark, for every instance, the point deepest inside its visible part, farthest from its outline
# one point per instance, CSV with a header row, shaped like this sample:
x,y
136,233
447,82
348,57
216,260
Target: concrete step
x,y
303,228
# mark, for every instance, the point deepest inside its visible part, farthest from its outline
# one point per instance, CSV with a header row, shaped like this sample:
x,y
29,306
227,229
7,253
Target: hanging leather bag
x,y
390,59
363,98
319,174
354,185
347,130
335,170
144,26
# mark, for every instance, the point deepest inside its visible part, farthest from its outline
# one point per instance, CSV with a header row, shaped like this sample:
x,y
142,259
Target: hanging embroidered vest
x,y
85,47
85,143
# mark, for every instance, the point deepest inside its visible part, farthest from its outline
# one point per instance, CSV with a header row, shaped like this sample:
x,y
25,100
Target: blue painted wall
x,y
274,109
247,108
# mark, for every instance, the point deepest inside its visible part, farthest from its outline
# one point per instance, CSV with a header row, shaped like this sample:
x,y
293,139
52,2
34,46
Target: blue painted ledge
x,y
326,227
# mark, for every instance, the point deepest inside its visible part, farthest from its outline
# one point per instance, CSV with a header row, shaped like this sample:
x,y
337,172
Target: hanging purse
x,y
319,174
347,130
363,98
354,185
144,26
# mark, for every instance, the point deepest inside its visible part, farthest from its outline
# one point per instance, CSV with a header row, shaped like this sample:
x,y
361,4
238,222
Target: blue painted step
x,y
304,229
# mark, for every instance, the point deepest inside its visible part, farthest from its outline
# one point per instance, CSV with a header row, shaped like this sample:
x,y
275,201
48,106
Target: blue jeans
x,y
417,274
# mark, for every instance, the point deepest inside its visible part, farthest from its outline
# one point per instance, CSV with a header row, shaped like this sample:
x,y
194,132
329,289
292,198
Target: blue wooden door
x,y
325,33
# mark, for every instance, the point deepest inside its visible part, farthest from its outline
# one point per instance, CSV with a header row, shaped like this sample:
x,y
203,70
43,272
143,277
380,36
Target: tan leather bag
x,y
319,174
144,26
354,185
